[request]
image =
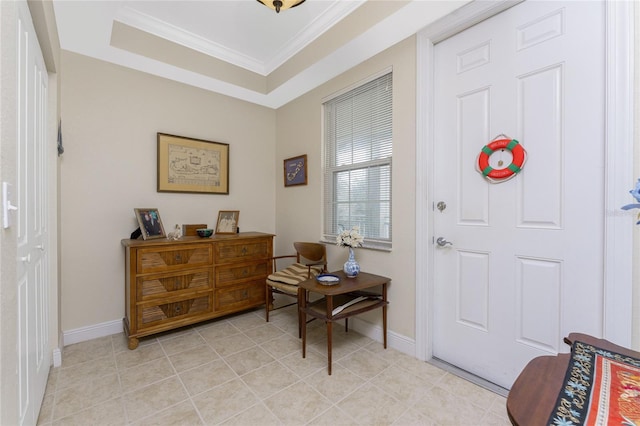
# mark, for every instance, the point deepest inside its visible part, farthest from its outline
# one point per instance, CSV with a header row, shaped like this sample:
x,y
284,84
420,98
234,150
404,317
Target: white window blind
x,y
358,154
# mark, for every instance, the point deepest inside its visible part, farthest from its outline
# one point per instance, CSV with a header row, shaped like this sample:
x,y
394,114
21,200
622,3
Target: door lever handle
x,y
442,242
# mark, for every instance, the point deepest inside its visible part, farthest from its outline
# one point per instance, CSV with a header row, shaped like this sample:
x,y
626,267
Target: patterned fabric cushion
x,y
285,288
294,274
600,388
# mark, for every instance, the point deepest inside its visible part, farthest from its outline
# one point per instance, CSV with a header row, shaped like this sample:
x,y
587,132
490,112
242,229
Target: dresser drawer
x,y
233,251
161,259
151,315
170,284
244,296
232,274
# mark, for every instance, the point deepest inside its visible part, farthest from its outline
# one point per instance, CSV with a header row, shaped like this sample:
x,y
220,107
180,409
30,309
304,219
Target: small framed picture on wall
x,y
295,171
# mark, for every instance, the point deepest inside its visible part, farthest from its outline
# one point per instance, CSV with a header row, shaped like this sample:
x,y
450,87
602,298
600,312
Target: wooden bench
x,y
534,393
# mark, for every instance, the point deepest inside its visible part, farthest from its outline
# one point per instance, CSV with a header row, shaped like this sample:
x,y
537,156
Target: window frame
x,y
329,214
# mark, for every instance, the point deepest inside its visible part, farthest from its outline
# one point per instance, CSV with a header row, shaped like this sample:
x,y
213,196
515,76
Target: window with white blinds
x,y
358,154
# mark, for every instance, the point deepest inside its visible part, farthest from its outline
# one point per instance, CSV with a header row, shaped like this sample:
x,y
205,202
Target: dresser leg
x,y
133,343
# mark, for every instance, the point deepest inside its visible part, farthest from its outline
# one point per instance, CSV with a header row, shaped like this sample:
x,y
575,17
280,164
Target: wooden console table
x,y
338,295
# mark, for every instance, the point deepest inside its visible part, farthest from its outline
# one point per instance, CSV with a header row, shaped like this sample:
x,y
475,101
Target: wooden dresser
x,y
170,284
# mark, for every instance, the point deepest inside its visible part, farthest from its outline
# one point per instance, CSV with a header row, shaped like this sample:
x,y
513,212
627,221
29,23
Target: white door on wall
x,y
31,224
525,266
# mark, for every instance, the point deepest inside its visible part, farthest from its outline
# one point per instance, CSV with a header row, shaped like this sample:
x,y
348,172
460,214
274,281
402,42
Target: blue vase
x,y
351,267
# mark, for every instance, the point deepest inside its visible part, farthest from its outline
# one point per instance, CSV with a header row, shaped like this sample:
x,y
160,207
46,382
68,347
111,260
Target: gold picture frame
x,y
295,170
150,223
227,221
192,165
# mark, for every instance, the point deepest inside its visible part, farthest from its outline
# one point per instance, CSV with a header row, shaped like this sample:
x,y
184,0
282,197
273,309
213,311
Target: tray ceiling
x,y
240,48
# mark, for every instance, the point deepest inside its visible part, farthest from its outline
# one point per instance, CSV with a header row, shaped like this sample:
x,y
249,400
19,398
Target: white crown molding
x,y
167,31
402,24
144,22
331,17
91,35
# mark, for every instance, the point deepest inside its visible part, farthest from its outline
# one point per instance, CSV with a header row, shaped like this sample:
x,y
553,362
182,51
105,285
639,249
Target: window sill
x,y
386,247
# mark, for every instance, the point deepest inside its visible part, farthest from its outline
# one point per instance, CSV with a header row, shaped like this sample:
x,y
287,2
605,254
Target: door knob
x,y
442,242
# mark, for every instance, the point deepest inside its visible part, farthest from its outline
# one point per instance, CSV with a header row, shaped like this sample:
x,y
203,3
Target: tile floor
x,y
240,370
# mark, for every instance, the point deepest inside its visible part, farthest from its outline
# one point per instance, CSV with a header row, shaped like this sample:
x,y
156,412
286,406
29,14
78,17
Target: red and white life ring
x,y
500,175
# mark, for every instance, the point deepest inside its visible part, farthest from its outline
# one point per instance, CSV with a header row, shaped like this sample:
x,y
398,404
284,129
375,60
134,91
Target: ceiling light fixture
x,y
279,5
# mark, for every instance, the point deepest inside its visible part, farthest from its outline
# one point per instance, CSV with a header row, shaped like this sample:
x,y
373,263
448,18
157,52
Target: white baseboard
x,y
92,332
57,357
56,353
394,340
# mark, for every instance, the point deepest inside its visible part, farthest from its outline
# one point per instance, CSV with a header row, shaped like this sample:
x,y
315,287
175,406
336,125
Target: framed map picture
x,y
295,171
192,165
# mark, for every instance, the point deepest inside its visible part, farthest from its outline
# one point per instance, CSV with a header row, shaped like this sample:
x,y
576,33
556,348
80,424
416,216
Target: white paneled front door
x,y
525,266
31,224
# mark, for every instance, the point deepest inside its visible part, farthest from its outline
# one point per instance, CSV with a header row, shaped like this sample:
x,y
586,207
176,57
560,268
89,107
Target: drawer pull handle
x,y
178,258
245,272
177,310
244,251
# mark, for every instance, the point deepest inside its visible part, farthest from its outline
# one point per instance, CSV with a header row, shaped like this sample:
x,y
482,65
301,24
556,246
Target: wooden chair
x,y
310,260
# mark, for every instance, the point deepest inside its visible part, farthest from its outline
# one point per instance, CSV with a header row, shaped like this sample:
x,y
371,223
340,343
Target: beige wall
x,y
110,117
299,208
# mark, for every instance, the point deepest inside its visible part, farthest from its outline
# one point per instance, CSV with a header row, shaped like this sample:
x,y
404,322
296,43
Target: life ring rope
x,y
498,175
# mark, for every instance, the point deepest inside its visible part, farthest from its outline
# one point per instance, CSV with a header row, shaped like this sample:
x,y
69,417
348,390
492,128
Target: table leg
x,y
384,314
329,331
329,335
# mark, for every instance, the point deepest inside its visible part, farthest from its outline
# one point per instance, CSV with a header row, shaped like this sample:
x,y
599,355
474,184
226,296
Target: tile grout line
x,y
362,349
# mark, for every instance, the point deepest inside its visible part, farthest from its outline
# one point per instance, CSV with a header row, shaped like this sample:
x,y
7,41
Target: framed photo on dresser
x,y
150,223
227,221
